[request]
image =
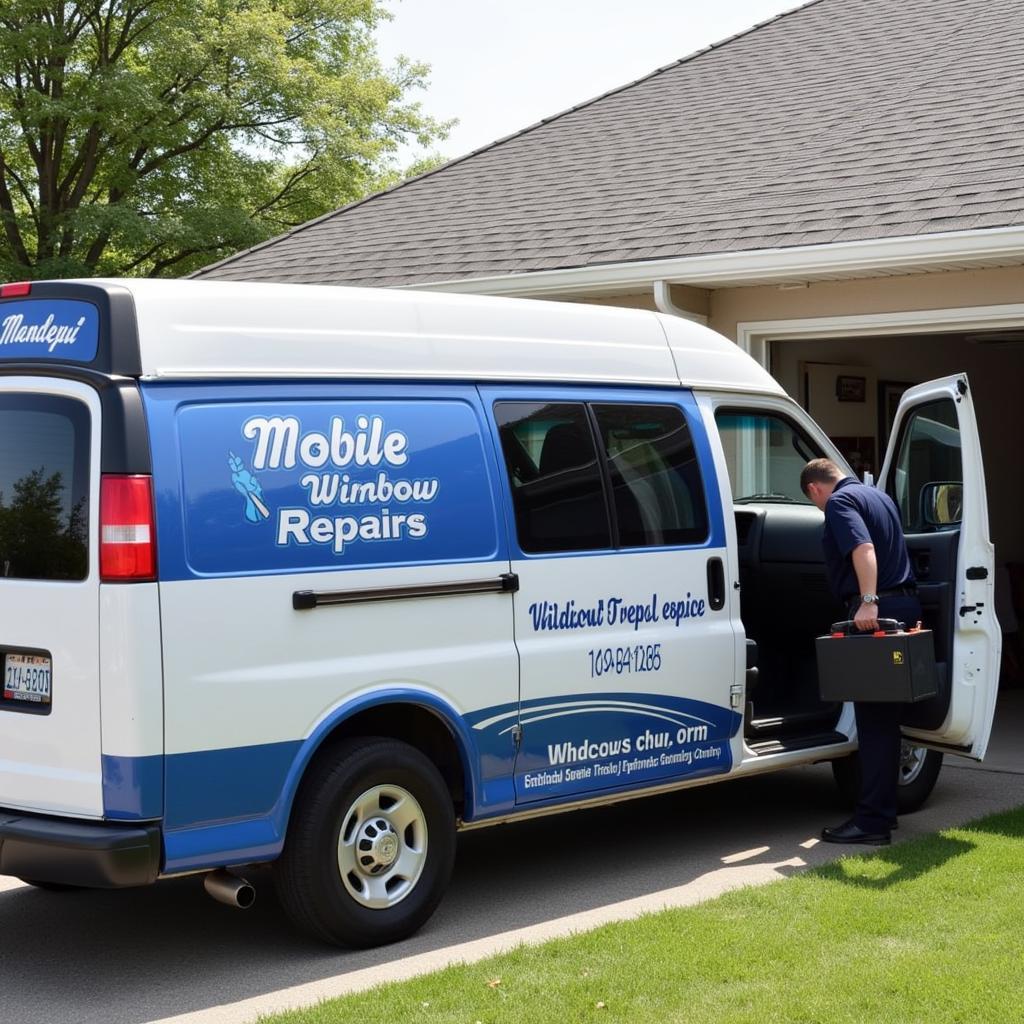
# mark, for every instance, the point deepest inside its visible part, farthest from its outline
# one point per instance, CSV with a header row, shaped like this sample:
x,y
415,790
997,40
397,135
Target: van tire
x,y
344,850
919,771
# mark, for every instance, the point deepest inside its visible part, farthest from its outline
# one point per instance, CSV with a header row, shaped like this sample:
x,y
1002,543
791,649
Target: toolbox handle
x,y
847,628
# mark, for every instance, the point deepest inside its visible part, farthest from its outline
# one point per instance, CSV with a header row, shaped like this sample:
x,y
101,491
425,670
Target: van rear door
x,y
933,471
50,756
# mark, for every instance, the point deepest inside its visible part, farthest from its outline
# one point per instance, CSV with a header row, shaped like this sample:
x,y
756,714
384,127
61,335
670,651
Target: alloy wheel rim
x,y
912,760
382,846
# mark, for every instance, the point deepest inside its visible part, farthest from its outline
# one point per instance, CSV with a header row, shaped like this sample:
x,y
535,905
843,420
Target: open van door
x,y
933,471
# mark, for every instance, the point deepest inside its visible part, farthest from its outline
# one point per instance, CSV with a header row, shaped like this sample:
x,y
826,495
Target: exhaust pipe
x,y
230,889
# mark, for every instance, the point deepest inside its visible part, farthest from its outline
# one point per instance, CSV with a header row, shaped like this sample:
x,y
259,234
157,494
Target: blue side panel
x,y
221,845
231,806
578,743
227,806
133,787
302,478
235,782
61,330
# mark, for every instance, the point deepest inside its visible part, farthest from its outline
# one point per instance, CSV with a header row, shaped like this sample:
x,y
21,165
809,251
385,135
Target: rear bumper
x,y
92,854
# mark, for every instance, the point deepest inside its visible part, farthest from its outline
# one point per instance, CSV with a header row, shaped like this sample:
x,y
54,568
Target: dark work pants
x,y
878,732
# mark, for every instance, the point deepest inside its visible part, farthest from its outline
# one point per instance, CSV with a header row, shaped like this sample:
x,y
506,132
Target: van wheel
x,y
370,847
918,772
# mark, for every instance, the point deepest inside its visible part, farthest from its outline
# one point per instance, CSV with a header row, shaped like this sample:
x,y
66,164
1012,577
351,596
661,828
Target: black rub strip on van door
x,y
304,600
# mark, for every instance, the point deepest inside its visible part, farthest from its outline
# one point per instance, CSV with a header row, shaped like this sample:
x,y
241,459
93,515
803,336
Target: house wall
x,y
728,307
994,286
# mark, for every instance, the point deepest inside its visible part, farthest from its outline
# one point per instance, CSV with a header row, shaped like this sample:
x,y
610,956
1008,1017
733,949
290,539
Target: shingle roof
x,y
839,121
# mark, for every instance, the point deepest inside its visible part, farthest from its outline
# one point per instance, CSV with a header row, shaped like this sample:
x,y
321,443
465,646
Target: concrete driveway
x,y
170,953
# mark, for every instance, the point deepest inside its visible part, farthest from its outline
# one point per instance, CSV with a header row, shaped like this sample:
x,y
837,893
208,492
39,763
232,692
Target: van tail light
x,y
127,529
15,290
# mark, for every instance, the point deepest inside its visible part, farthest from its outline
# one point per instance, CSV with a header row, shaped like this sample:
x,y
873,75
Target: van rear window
x,y
44,487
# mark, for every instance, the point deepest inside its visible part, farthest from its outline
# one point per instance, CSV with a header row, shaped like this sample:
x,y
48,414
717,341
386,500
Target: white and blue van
x,y
319,576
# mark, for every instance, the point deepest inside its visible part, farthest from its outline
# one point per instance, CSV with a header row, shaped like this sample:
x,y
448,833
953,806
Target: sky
x,y
502,65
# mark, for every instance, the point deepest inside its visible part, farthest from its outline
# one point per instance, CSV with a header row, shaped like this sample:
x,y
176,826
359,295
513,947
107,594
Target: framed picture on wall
x,y
851,389
889,394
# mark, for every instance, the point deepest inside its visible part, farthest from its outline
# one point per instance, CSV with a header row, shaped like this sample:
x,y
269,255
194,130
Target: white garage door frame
x,y
755,336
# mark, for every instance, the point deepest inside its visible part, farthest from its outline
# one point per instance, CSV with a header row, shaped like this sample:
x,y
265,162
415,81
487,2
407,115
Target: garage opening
x,y
852,386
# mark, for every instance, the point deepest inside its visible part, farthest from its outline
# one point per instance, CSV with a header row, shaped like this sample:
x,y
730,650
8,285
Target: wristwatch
x,y
869,598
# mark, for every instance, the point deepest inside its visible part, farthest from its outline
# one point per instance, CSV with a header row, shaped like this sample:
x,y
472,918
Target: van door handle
x,y
716,584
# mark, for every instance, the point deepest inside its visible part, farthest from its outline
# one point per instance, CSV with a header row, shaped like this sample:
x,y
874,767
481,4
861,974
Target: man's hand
x,y
866,619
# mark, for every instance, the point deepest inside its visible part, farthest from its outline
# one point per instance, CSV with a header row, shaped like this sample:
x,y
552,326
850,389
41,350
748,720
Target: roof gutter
x,y
664,304
796,264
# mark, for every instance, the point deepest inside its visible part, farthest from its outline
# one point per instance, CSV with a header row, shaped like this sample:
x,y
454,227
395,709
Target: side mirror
x,y
942,504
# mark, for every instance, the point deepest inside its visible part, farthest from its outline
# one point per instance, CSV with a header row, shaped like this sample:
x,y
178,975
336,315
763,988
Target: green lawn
x,y
930,930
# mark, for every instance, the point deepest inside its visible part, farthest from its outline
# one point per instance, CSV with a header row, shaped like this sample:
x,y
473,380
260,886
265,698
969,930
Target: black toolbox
x,y
892,665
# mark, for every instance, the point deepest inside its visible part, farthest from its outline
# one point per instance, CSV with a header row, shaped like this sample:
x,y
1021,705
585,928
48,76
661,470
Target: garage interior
x,y
851,387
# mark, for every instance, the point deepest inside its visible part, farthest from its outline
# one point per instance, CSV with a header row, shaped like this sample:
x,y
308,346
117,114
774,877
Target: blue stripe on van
x,y
133,787
222,845
234,782
227,806
581,744
231,806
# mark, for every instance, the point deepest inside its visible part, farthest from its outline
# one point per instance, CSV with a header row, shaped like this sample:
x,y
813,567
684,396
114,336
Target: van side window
x,y
557,492
655,477
929,473
765,454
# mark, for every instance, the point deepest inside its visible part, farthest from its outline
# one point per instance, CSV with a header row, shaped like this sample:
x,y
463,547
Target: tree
x,y
155,136
39,539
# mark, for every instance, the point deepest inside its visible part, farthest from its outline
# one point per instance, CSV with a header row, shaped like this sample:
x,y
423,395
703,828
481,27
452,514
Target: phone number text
x,y
606,661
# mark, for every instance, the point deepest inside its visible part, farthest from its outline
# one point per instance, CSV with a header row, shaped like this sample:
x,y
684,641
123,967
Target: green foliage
x,y
394,176
38,540
155,136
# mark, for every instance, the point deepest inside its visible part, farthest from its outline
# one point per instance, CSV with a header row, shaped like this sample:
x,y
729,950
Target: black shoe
x,y
848,832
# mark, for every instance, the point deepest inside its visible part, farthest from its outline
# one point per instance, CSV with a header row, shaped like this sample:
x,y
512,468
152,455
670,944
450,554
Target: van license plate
x,y
27,678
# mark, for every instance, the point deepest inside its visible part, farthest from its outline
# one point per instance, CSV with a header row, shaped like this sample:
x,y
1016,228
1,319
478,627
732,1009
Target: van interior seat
x,y
785,603
563,499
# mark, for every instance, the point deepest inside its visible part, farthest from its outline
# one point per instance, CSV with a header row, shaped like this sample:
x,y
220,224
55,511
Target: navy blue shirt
x,y
857,514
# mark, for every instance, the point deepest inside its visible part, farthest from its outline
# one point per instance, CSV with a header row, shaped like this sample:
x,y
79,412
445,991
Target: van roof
x,y
202,329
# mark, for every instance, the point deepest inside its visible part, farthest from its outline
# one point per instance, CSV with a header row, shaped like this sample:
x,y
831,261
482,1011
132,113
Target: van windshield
x,y
44,487
765,454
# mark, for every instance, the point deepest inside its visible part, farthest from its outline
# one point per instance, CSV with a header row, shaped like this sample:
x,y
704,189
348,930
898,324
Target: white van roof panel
x,y
193,329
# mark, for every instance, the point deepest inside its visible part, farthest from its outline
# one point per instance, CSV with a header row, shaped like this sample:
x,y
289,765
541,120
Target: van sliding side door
x,y
622,621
